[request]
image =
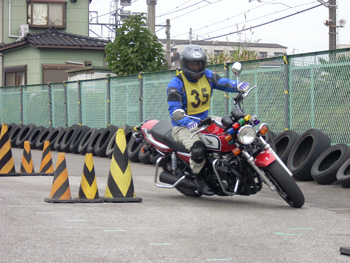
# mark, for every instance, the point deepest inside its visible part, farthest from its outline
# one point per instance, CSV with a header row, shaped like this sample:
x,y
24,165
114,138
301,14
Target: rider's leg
x,y
198,153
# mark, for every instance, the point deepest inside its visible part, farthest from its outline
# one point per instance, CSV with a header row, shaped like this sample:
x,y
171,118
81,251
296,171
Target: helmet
x,y
193,61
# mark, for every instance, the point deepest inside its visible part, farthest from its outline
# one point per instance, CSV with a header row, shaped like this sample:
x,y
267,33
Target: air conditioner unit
x,y
23,30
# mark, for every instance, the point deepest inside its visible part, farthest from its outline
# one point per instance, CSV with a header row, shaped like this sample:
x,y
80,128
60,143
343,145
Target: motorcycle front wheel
x,y
285,185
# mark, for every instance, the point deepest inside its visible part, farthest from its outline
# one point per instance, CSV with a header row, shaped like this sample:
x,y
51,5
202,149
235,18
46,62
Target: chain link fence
x,y
297,92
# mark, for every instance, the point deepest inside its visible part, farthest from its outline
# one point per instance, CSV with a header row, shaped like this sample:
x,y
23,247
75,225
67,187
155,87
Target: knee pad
x,y
198,152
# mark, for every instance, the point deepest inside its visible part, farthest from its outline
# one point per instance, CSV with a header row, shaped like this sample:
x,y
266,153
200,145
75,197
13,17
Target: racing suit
x,y
194,98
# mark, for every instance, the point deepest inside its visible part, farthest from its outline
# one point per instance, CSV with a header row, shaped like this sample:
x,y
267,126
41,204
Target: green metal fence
x,y
295,92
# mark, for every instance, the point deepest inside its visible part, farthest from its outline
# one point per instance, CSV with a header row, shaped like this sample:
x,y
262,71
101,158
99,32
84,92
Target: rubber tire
x,y
133,149
343,174
59,139
269,137
24,134
68,137
144,158
10,128
154,156
325,168
304,153
284,142
52,137
286,187
91,145
43,136
84,142
77,137
110,146
34,136
128,130
14,133
128,133
103,140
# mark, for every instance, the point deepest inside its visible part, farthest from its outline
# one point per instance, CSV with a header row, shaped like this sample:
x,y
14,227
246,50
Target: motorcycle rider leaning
x,y
191,90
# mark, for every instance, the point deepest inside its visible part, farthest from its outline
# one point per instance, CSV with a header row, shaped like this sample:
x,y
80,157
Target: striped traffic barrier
x,y
46,165
88,191
60,190
27,166
7,165
120,187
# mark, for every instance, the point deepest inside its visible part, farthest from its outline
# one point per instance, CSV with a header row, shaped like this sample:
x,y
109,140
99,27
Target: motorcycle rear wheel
x,y
285,185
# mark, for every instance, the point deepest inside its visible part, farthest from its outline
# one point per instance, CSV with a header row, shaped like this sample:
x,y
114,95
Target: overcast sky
x,y
303,32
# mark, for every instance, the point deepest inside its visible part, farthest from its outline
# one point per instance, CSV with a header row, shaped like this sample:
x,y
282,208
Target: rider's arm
x,y
175,101
217,82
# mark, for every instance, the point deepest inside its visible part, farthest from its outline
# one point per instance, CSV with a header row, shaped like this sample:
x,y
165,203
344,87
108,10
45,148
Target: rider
x,y
191,91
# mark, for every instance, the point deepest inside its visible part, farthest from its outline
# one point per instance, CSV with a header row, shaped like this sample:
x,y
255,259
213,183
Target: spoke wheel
x,y
285,185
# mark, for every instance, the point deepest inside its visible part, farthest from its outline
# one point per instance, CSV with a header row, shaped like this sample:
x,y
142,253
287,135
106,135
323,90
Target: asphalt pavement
x,y
166,226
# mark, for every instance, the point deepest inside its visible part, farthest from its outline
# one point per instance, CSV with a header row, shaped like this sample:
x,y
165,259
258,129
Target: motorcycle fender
x,y
264,158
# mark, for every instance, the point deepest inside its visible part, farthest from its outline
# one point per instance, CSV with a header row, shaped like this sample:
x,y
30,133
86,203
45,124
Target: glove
x,y
243,86
192,126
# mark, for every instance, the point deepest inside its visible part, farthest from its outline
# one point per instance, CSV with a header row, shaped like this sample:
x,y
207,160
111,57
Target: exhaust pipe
x,y
171,179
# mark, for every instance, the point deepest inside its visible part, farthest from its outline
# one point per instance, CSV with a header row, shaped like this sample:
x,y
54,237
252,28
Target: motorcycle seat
x,y
162,133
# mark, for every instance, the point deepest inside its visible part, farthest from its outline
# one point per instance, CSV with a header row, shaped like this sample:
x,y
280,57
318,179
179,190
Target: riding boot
x,y
202,185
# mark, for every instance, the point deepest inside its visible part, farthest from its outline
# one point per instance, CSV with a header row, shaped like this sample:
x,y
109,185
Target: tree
x,y
240,53
135,49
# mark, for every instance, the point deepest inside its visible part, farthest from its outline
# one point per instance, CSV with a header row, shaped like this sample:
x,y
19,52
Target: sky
x,y
302,30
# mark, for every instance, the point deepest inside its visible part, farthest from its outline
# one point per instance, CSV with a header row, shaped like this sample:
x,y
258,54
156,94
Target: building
x,y
264,50
41,39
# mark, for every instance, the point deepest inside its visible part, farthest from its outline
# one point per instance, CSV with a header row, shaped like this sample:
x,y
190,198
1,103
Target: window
x,y
15,75
263,54
47,13
56,72
217,52
278,54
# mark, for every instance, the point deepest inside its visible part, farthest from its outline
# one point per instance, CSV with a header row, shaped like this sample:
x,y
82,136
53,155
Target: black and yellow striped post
x,y
60,190
88,192
46,165
27,166
7,165
120,187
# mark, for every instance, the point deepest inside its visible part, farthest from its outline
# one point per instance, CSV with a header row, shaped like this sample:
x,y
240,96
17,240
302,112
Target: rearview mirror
x,y
236,68
178,114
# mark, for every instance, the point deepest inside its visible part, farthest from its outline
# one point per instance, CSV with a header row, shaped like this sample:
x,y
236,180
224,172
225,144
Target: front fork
x,y
256,164
263,162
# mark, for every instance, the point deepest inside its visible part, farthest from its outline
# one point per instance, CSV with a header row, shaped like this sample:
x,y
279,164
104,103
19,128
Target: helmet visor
x,y
195,66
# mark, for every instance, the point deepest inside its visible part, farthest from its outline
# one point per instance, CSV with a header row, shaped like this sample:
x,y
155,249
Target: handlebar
x,y
240,96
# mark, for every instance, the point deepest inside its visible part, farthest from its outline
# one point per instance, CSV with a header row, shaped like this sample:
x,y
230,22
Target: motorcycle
x,y
238,160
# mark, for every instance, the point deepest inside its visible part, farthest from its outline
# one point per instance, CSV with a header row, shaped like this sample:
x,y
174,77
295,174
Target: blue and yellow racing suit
x,y
194,96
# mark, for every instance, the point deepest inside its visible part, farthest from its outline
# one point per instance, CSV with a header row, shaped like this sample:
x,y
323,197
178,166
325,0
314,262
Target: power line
x,y
256,18
196,9
171,11
263,24
227,18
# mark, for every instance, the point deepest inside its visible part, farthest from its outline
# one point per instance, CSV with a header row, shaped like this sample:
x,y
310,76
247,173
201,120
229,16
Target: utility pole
x,y
116,17
332,24
190,36
168,51
151,19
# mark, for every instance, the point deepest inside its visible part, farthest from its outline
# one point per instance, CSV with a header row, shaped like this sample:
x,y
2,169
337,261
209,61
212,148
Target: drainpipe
x,y
10,11
2,41
2,21
2,82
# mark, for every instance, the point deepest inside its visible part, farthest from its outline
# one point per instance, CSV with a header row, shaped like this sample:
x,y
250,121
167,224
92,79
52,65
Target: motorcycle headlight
x,y
246,134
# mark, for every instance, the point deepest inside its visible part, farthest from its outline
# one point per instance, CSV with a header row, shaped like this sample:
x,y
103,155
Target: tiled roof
x,y
223,43
52,38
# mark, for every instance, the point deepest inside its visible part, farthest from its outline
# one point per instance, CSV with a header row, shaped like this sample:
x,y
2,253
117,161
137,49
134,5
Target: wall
x,y
77,15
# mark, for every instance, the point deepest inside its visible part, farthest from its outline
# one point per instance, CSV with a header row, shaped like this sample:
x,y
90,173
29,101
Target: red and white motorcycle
x,y
238,160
